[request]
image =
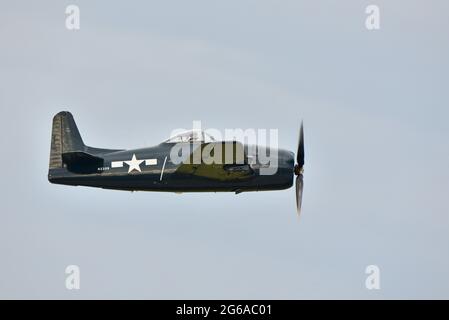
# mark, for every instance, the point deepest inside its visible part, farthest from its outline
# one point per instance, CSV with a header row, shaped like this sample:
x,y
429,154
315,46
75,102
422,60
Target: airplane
x,y
152,169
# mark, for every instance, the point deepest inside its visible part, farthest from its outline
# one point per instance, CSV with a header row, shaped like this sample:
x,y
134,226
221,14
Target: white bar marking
x,y
150,162
116,164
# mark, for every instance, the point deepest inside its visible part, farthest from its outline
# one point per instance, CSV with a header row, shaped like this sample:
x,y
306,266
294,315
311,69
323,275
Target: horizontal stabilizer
x,y
81,162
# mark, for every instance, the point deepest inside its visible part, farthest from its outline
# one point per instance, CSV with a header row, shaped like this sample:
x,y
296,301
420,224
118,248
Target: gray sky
x,y
375,106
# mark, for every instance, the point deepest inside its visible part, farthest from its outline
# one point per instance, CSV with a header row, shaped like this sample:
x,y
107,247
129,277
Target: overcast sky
x,y
375,106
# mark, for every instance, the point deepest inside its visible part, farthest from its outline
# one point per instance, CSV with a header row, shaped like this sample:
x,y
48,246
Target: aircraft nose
x,y
286,158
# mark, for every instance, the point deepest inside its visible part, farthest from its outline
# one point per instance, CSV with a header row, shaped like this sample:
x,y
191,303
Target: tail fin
x,y
65,138
68,153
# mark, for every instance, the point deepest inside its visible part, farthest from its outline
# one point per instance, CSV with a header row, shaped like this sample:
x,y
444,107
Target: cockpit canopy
x,y
191,136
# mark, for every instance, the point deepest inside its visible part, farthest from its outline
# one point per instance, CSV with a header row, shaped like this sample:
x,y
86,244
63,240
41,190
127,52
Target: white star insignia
x,y
134,164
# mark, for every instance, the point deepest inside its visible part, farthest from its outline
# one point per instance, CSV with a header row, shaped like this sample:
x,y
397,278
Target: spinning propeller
x,y
299,169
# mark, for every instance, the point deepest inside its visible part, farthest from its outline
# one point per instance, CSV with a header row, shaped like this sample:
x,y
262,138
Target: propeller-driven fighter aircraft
x,y
153,169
